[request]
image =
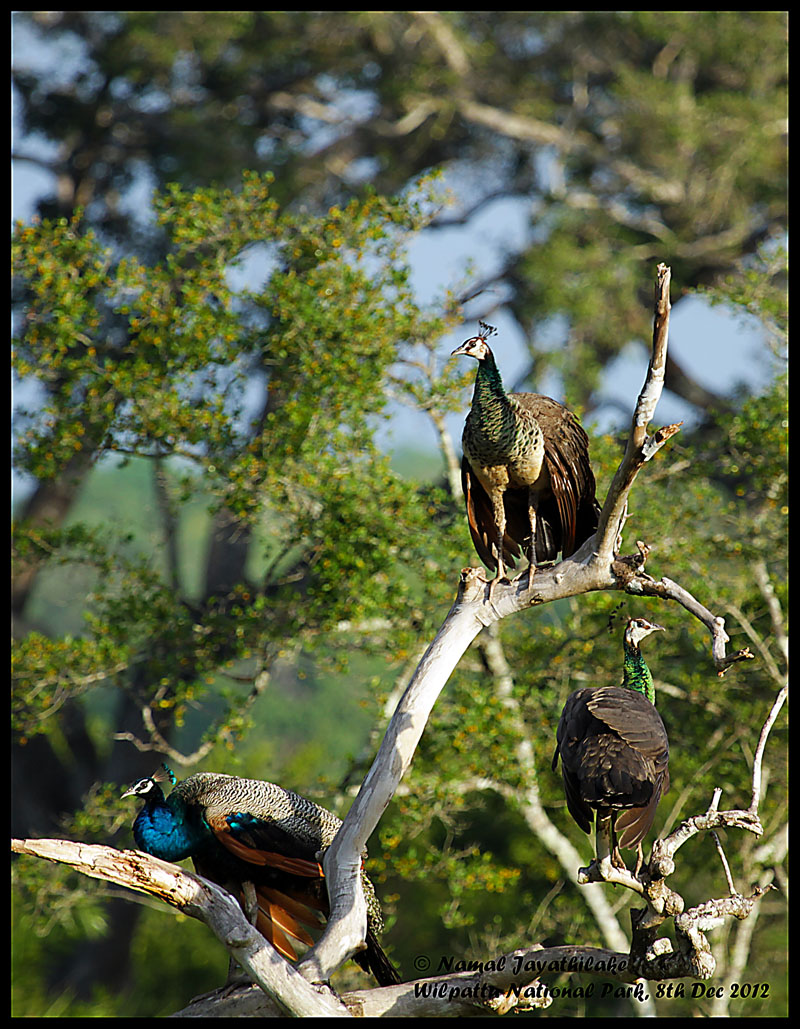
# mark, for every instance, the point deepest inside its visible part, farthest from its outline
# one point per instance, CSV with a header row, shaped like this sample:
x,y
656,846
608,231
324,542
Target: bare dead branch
x,y
342,861
200,899
666,589
695,923
457,992
762,743
593,567
511,980
726,867
503,982
640,448
662,862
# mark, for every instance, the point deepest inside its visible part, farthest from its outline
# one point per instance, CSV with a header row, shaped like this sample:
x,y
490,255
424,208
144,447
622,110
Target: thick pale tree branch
x,y
342,861
501,990
498,985
201,899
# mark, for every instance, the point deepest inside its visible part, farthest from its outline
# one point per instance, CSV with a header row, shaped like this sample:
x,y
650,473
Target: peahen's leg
x,y
616,854
499,511
601,838
532,545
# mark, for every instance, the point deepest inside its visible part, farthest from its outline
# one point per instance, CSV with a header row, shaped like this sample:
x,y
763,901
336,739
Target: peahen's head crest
x,y
477,346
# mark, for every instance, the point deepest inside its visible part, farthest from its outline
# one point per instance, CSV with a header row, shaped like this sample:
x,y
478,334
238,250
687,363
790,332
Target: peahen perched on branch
x,y
527,480
245,835
615,752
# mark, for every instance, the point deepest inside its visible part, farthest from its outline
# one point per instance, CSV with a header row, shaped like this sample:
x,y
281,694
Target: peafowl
x,y
245,834
615,752
525,471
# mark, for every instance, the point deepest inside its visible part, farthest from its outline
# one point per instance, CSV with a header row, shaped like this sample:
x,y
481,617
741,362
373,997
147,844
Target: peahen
x,y
245,831
528,483
615,752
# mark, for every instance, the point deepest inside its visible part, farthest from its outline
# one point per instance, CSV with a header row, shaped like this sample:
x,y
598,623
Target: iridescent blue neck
x,y
163,829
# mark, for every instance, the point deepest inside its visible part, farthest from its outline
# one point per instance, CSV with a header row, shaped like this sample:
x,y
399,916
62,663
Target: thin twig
x,y
733,891
762,743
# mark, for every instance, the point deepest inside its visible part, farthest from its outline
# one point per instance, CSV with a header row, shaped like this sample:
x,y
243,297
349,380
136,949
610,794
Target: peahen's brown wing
x,y
614,757
574,510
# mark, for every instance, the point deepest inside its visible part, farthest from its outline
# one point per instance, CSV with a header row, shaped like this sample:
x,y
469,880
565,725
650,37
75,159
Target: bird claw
x,y
492,583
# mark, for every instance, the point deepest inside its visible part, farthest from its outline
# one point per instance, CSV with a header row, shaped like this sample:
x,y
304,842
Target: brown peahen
x,y
245,831
615,752
528,483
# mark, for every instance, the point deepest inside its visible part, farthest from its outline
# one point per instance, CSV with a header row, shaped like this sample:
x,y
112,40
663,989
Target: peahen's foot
x,y
492,583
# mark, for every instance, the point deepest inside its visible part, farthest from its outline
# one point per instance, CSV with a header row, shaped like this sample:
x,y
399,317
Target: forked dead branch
x,y
598,565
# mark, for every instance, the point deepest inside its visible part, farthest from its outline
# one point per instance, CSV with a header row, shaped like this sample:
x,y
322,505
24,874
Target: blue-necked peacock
x,y
240,831
615,752
525,471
